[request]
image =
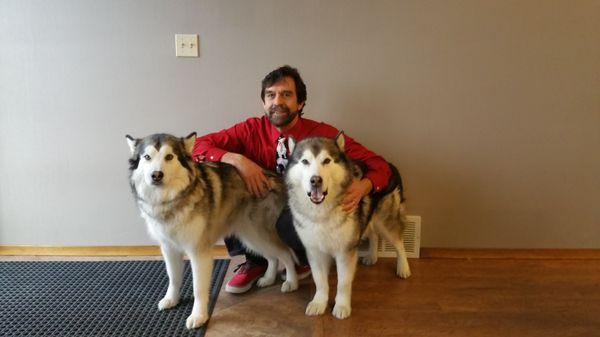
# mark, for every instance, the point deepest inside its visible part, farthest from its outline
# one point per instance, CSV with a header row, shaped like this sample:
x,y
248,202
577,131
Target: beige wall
x,y
491,109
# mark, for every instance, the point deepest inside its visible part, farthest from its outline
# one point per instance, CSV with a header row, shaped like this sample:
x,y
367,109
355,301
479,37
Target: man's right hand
x,y
252,174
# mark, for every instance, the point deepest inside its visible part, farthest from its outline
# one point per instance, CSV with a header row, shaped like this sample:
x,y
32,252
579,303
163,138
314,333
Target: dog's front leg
x,y
202,265
346,268
271,273
174,264
319,264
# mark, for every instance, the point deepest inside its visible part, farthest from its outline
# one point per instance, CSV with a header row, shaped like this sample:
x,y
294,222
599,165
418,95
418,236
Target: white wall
x,y
490,109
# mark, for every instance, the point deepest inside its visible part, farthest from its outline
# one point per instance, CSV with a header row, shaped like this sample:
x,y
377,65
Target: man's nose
x,y
278,99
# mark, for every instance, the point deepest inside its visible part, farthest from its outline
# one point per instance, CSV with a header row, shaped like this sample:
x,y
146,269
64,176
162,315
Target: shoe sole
x,y
239,290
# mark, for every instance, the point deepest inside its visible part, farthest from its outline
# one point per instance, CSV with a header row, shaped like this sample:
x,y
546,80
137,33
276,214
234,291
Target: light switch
x,y
186,45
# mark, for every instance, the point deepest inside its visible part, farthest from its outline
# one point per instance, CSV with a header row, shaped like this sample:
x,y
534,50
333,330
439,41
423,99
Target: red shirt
x,y
256,139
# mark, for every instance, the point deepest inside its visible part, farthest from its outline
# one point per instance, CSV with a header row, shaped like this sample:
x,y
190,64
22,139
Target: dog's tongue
x,y
317,195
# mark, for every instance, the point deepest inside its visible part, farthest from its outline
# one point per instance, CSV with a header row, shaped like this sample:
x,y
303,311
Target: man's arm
x,y
378,170
252,174
228,146
213,146
376,178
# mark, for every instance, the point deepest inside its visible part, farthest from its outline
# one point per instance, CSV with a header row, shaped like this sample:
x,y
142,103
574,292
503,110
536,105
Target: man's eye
x,y
168,157
304,161
326,161
147,157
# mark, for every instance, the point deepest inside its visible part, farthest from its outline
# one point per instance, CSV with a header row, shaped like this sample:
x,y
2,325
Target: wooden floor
x,y
444,297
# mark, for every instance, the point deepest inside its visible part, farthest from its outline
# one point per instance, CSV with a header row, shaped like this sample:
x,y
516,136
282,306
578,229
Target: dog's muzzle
x,y
316,193
157,177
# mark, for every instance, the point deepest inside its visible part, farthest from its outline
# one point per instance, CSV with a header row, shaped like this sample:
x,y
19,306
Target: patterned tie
x,y
281,155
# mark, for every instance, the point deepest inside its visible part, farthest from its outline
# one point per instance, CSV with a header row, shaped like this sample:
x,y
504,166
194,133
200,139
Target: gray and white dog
x,y
188,206
317,176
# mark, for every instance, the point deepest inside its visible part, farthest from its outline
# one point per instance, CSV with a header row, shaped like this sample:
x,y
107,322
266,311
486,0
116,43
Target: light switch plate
x,y
186,45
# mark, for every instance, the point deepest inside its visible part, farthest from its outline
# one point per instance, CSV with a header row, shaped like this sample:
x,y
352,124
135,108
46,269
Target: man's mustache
x,y
279,108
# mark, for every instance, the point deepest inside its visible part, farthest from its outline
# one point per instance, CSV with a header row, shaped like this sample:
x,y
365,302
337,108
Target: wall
x,y
491,109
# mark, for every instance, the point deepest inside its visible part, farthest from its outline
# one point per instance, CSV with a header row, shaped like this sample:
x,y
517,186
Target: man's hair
x,y
280,73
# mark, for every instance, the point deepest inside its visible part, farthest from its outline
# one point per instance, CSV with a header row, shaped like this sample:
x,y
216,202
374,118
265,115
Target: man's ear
x,y
189,142
340,141
291,144
132,142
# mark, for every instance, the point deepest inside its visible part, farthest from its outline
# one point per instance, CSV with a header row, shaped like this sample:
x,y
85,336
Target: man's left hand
x,y
356,191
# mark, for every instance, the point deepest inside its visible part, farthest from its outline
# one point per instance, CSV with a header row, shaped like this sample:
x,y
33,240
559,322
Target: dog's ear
x,y
132,142
189,142
291,144
340,141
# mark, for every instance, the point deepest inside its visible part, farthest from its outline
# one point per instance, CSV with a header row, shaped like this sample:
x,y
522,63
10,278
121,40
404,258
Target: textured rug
x,y
107,298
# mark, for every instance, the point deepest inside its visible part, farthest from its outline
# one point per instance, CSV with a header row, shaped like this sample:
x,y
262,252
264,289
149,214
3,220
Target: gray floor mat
x,y
106,298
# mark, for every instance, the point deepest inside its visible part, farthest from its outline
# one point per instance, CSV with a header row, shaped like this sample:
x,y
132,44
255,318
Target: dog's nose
x,y
316,181
157,176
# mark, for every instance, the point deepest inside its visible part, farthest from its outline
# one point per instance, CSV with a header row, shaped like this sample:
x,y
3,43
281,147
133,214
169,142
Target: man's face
x,y
280,102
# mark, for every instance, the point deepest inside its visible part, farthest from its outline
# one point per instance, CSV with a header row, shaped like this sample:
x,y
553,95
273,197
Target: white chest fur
x,y
329,232
180,229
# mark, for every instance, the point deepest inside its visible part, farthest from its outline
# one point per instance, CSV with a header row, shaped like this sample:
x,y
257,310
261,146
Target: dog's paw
x,y
403,270
167,303
194,321
288,286
315,308
265,281
369,260
341,311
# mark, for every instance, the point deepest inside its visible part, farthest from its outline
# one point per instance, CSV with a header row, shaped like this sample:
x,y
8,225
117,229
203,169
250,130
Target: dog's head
x,y
318,168
160,166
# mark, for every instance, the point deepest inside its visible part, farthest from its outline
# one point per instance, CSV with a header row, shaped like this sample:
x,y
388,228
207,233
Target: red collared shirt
x,y
256,139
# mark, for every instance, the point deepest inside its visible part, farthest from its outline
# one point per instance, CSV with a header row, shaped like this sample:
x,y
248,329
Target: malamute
x,y
188,206
317,176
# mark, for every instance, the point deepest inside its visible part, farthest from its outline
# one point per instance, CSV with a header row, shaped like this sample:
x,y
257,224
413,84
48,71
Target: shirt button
x,y
211,157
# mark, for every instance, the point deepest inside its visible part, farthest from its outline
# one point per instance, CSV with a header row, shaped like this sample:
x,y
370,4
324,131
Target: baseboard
x,y
522,254
220,250
16,250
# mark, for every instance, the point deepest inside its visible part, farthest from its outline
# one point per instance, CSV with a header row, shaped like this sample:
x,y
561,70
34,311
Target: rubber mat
x,y
106,298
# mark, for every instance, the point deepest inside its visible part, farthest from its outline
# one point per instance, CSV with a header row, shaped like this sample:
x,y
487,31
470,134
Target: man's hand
x,y
252,174
356,191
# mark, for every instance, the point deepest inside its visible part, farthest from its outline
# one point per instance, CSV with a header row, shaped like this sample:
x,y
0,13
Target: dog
x,y
317,176
188,206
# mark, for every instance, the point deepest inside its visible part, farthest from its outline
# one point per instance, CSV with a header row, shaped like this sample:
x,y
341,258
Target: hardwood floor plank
x,y
444,297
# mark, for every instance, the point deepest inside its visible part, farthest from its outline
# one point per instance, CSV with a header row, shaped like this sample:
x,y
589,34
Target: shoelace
x,y
242,267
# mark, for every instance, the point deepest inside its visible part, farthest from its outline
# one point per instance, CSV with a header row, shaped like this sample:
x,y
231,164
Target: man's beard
x,y
280,115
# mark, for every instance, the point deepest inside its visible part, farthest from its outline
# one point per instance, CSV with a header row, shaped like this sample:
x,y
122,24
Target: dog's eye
x,y
326,161
304,161
168,157
147,157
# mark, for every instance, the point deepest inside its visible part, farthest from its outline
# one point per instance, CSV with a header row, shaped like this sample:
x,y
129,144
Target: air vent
x,y
412,241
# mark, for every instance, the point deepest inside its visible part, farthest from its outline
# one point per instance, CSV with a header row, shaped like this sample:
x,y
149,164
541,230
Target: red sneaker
x,y
245,275
302,272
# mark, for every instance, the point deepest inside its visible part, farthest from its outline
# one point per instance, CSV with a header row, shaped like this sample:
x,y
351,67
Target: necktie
x,y
281,155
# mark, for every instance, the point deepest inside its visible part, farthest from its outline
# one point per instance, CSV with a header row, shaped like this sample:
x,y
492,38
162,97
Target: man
x,y
259,143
